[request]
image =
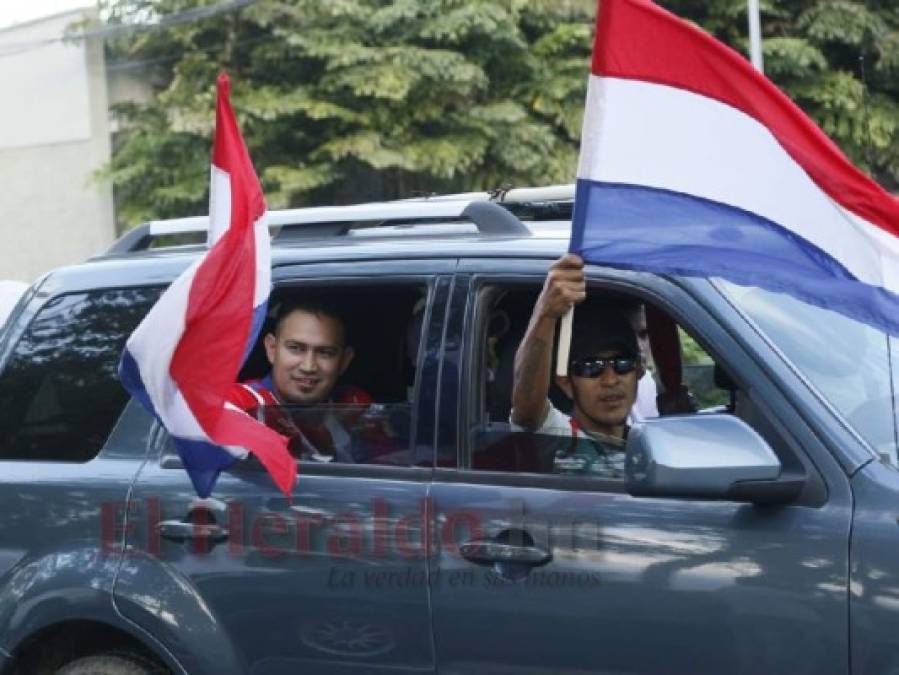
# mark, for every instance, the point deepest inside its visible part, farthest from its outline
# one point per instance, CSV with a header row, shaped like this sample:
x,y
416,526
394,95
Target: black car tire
x,y
112,664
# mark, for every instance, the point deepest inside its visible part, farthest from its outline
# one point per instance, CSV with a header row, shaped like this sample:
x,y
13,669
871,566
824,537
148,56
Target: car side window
x,y
59,391
497,444
336,368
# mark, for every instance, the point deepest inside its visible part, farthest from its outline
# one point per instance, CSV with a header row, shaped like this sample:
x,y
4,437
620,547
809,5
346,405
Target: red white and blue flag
x,y
184,357
692,163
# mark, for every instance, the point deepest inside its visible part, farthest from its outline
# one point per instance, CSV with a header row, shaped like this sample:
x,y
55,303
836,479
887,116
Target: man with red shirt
x,y
308,353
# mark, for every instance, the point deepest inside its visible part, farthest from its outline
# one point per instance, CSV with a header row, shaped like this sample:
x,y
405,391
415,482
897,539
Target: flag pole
x,y
755,35
564,348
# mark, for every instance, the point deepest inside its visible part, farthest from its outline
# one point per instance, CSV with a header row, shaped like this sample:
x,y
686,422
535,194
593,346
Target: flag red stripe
x,y
237,428
635,39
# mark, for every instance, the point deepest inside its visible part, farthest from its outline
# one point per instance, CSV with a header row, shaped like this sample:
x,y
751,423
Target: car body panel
x,y
701,587
874,584
62,537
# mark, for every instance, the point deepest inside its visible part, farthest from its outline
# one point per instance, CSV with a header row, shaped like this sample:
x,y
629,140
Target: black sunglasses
x,y
594,367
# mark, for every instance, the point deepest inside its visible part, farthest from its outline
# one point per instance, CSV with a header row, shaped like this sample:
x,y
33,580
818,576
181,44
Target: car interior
x,y
384,325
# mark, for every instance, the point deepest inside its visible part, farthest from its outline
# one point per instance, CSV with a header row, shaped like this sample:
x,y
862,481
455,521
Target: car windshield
x,y
848,362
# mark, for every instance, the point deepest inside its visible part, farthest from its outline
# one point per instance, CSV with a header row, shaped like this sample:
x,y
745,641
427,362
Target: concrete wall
x,y
54,133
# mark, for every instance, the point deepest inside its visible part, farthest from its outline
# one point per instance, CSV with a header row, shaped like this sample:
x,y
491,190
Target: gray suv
x,y
756,534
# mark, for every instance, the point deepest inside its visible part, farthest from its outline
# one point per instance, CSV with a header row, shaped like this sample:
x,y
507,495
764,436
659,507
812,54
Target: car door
x,y
540,573
333,578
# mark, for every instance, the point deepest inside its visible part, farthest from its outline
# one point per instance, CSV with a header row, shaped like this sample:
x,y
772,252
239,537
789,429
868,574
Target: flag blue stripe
x,y
202,460
129,376
647,229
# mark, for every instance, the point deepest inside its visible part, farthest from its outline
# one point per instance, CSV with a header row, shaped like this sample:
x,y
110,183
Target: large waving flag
x,y
184,357
692,163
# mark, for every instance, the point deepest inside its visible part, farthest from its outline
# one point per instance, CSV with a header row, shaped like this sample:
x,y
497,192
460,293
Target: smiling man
x,y
308,352
604,370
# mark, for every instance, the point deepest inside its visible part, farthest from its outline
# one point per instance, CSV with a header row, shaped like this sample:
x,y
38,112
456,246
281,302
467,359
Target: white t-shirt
x,y
645,405
556,423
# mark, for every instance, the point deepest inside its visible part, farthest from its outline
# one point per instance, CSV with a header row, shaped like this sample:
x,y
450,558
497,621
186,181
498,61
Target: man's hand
x,y
564,286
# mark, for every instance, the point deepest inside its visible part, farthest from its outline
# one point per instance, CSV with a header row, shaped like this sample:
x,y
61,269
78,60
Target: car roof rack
x,y
550,202
547,193
331,221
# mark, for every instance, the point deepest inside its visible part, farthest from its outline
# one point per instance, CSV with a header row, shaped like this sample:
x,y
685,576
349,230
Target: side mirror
x,y
713,456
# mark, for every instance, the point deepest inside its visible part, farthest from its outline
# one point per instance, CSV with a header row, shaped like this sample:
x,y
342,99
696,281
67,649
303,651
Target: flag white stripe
x,y
219,204
153,349
623,116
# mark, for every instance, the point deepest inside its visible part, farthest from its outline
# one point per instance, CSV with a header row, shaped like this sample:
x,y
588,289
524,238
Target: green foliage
x,y
350,100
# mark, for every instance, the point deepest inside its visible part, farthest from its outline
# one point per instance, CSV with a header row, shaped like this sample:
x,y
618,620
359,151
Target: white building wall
x,y
54,133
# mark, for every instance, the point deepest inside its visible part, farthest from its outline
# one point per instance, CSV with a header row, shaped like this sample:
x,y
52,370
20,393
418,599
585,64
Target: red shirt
x,y
318,436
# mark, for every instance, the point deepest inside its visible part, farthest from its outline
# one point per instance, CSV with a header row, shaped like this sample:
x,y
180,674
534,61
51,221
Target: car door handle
x,y
180,531
488,552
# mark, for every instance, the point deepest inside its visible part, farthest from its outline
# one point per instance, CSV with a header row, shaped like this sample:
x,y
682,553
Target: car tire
x,y
112,664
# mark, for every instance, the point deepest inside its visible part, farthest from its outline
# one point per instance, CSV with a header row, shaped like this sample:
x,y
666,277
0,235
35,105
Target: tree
x,y
349,100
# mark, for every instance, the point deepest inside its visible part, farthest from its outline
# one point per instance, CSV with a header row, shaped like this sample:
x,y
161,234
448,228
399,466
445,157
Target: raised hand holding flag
x,y
184,357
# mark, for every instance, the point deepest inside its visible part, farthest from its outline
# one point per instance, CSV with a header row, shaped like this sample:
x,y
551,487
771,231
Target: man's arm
x,y
564,287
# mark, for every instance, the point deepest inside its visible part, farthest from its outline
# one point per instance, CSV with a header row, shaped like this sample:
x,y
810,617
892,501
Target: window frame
x,y
430,275
28,310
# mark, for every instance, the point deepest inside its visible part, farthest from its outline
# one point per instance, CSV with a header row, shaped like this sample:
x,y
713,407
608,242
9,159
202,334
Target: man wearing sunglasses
x,y
603,372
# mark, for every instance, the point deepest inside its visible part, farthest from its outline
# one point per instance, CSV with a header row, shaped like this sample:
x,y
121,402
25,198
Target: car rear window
x,y
59,391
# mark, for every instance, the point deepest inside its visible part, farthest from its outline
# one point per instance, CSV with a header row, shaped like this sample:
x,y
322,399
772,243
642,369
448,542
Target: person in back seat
x,y
604,369
645,406
308,352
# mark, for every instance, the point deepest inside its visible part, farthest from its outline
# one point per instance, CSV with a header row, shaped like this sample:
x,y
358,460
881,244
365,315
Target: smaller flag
x,y
184,357
693,164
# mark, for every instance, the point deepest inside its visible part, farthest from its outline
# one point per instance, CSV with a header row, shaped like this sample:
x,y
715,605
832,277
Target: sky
x,y
17,11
